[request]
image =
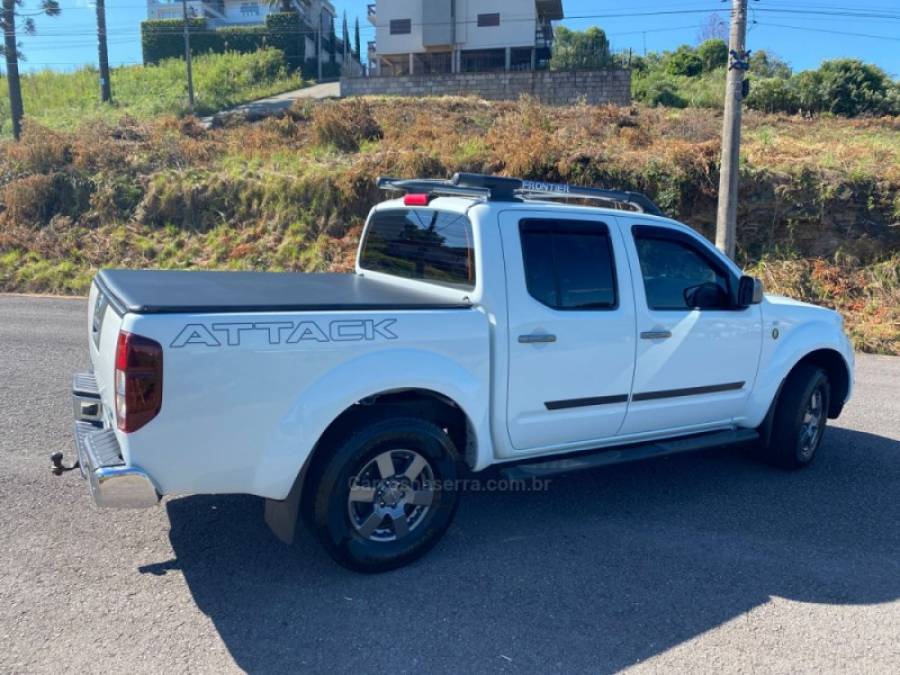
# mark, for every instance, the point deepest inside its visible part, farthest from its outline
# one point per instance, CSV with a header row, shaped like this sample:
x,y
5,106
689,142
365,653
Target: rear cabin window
x,y
421,244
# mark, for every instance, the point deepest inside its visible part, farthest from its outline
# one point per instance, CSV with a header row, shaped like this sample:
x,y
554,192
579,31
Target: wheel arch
x,y
281,515
838,372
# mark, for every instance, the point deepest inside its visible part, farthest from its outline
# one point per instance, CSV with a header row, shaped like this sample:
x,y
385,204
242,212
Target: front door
x,y
697,355
571,329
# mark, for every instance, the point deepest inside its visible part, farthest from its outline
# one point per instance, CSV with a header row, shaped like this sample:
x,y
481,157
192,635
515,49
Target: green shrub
x,y
575,50
164,39
850,87
773,94
684,61
713,54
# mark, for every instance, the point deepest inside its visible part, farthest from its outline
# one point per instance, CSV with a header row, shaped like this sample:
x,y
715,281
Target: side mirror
x,y
706,296
750,291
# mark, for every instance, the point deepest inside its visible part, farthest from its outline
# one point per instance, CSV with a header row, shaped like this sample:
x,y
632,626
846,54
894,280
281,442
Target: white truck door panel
x,y
695,367
571,328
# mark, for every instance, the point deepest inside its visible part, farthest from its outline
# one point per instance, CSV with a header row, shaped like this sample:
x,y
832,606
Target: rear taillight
x,y
139,369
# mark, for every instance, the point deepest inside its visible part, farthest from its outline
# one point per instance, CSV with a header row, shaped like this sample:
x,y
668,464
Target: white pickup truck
x,y
490,321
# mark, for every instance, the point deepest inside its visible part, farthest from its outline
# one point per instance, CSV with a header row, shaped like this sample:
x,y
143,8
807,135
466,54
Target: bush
x,y
657,90
763,64
345,125
774,94
163,39
713,54
684,61
574,50
850,87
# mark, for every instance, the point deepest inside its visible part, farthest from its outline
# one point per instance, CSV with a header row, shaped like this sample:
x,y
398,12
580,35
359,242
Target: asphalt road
x,y
700,562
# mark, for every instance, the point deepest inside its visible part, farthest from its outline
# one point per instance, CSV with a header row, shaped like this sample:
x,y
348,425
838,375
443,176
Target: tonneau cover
x,y
183,292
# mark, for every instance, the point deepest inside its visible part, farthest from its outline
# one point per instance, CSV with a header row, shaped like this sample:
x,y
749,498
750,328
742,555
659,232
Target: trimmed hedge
x,y
285,31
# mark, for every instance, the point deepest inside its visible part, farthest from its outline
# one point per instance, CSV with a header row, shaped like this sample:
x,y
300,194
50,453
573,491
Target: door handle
x,y
536,338
656,334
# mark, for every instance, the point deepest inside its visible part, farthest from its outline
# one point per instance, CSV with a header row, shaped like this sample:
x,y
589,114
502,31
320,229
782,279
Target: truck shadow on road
x,y
604,569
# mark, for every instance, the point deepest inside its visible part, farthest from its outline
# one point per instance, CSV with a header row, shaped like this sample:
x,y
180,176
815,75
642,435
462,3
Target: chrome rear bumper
x,y
112,482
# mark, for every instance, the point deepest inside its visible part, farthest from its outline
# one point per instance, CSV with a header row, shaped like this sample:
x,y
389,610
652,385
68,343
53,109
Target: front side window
x,y
569,264
677,276
421,244
401,26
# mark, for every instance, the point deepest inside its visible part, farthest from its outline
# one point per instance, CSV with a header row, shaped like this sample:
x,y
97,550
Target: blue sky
x,y
788,28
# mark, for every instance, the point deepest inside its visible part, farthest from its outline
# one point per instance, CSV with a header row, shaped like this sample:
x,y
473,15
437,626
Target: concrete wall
x,y
553,87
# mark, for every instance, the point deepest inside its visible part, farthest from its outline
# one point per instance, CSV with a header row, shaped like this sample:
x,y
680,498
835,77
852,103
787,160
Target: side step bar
x,y
628,453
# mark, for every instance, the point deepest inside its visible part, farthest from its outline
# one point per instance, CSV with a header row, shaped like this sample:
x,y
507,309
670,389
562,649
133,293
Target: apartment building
x,y
421,37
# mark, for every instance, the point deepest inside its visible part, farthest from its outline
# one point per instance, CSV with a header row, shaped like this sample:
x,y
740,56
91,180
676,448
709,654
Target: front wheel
x,y
801,413
386,495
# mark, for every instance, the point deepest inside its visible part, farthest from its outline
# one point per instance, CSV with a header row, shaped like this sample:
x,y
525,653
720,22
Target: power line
x,y
832,32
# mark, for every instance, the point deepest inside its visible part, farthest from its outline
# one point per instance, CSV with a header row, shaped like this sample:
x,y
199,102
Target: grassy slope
x,y
65,100
818,196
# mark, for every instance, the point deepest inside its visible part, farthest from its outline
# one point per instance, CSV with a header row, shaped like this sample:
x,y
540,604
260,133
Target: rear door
x,y
571,329
697,355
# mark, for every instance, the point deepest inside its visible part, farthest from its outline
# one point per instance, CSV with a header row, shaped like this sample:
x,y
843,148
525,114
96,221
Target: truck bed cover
x,y
184,292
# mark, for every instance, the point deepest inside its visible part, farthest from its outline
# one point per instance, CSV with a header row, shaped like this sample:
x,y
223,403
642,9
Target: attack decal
x,y
285,332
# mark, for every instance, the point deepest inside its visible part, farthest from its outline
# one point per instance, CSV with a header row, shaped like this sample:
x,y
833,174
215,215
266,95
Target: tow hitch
x,y
57,468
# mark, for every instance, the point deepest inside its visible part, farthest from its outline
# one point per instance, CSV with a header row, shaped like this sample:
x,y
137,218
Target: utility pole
x,y
105,86
726,220
12,66
319,50
187,56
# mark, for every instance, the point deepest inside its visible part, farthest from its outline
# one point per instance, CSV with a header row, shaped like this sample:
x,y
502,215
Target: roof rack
x,y
499,188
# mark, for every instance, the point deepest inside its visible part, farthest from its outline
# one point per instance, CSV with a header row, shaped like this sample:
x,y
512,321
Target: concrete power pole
x,y
319,51
726,221
103,57
187,56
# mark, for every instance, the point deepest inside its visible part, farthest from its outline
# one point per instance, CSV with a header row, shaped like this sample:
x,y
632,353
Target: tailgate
x,y
103,334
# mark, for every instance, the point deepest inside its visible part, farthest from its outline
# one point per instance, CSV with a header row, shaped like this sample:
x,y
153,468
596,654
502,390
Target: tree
x,y
573,50
684,61
764,64
345,36
356,40
714,27
850,87
12,53
713,53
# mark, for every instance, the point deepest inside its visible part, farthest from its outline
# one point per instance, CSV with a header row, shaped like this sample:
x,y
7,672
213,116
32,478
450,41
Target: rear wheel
x,y
801,413
386,495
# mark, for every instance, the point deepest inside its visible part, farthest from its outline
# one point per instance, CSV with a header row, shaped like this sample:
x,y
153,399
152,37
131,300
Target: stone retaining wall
x,y
554,87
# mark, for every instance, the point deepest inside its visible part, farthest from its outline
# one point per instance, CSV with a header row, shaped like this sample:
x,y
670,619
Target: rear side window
x,y
421,244
569,264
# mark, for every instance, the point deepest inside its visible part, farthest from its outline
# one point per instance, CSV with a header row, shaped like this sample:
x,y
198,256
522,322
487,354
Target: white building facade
x,y
237,12
421,37
318,15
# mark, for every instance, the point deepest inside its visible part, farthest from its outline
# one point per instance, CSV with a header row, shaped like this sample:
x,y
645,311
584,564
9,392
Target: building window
x,y
489,20
401,26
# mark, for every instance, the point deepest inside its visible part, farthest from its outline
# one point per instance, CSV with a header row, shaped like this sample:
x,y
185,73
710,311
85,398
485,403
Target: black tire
x,y
343,526
790,445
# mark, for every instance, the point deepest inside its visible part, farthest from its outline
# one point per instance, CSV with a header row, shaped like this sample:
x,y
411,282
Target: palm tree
x,y
11,51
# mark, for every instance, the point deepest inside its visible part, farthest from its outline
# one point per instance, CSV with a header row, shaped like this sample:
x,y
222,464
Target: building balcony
x,y
370,13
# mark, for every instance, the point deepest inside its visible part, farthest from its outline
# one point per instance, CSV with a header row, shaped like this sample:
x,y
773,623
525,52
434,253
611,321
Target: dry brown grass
x,y
292,192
